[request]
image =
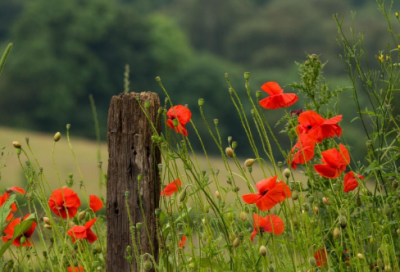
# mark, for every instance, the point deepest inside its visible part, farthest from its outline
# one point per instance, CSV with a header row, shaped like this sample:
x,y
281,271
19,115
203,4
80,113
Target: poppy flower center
x,y
263,194
309,127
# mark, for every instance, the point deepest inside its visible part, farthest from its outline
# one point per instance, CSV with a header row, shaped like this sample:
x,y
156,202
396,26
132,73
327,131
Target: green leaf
x,y
5,211
4,57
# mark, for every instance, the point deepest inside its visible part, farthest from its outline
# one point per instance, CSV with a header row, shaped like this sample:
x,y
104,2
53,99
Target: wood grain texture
x,y
131,153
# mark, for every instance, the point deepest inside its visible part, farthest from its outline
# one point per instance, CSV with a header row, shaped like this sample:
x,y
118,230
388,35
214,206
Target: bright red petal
x,y
17,189
344,155
75,269
95,203
288,99
333,120
251,198
77,232
182,242
171,188
271,88
181,113
259,222
321,257
271,103
253,234
327,171
332,157
310,119
91,237
90,223
266,184
270,199
274,224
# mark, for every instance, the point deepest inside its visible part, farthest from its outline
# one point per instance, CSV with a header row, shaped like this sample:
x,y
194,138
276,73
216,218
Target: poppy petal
x,y
253,234
181,113
251,198
270,103
288,99
90,223
91,237
259,222
171,188
326,171
95,203
272,88
17,189
274,224
266,184
321,257
333,120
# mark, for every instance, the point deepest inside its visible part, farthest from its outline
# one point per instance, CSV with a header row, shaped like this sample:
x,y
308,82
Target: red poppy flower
x,y
182,242
3,199
269,194
317,127
302,151
83,232
16,189
346,257
182,114
171,188
17,241
335,162
64,202
321,257
271,223
277,98
95,203
75,269
350,182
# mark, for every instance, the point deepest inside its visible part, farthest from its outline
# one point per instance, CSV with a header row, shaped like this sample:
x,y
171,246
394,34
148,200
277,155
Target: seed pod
x,y
258,94
229,152
16,144
387,209
57,137
295,195
243,216
81,215
286,173
249,162
22,240
148,265
343,221
280,164
234,145
246,75
201,102
263,251
336,233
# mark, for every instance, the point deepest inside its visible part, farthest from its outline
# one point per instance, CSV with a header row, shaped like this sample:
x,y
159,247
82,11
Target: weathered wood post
x,y
130,154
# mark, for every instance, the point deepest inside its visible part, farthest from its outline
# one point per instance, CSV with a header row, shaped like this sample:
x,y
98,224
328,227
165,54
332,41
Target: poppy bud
x,y
249,162
234,144
295,195
217,194
230,216
71,224
128,249
250,169
312,262
271,268
81,215
386,209
148,265
201,102
126,194
16,144
206,208
286,173
215,121
316,210
395,184
175,122
46,220
326,201
139,226
295,221
68,126
243,216
398,231
226,75
263,251
47,226
204,236
360,256
236,242
22,240
157,212
182,195
192,265
311,199
27,140
306,207
258,94
280,164
229,152
343,221
246,75
232,237
147,105
158,79
57,136
336,233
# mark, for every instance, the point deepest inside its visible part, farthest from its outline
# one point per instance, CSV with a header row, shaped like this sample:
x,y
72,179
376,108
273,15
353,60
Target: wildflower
x,y
95,203
271,223
16,189
302,151
380,58
350,182
182,114
182,242
397,15
321,257
22,240
269,194
171,188
75,269
315,126
64,203
83,232
277,98
3,200
335,162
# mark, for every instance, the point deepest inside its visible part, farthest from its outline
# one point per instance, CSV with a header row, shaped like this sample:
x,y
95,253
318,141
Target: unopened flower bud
x,y
22,240
81,215
215,121
16,144
243,216
229,152
336,233
306,207
360,256
201,102
395,184
246,75
234,144
147,105
295,195
47,226
271,268
46,220
258,94
312,262
57,136
263,251
148,265
286,173
157,212
68,126
280,164
397,15
138,226
386,209
217,194
343,221
236,242
326,201
207,208
249,162
226,75
71,224
316,210
182,195
175,122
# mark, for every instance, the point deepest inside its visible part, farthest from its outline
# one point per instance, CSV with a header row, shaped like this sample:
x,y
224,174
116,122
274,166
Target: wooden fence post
x,y
130,154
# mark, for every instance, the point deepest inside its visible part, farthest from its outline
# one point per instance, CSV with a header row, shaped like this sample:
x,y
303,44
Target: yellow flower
x,y
380,58
397,15
387,57
398,46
